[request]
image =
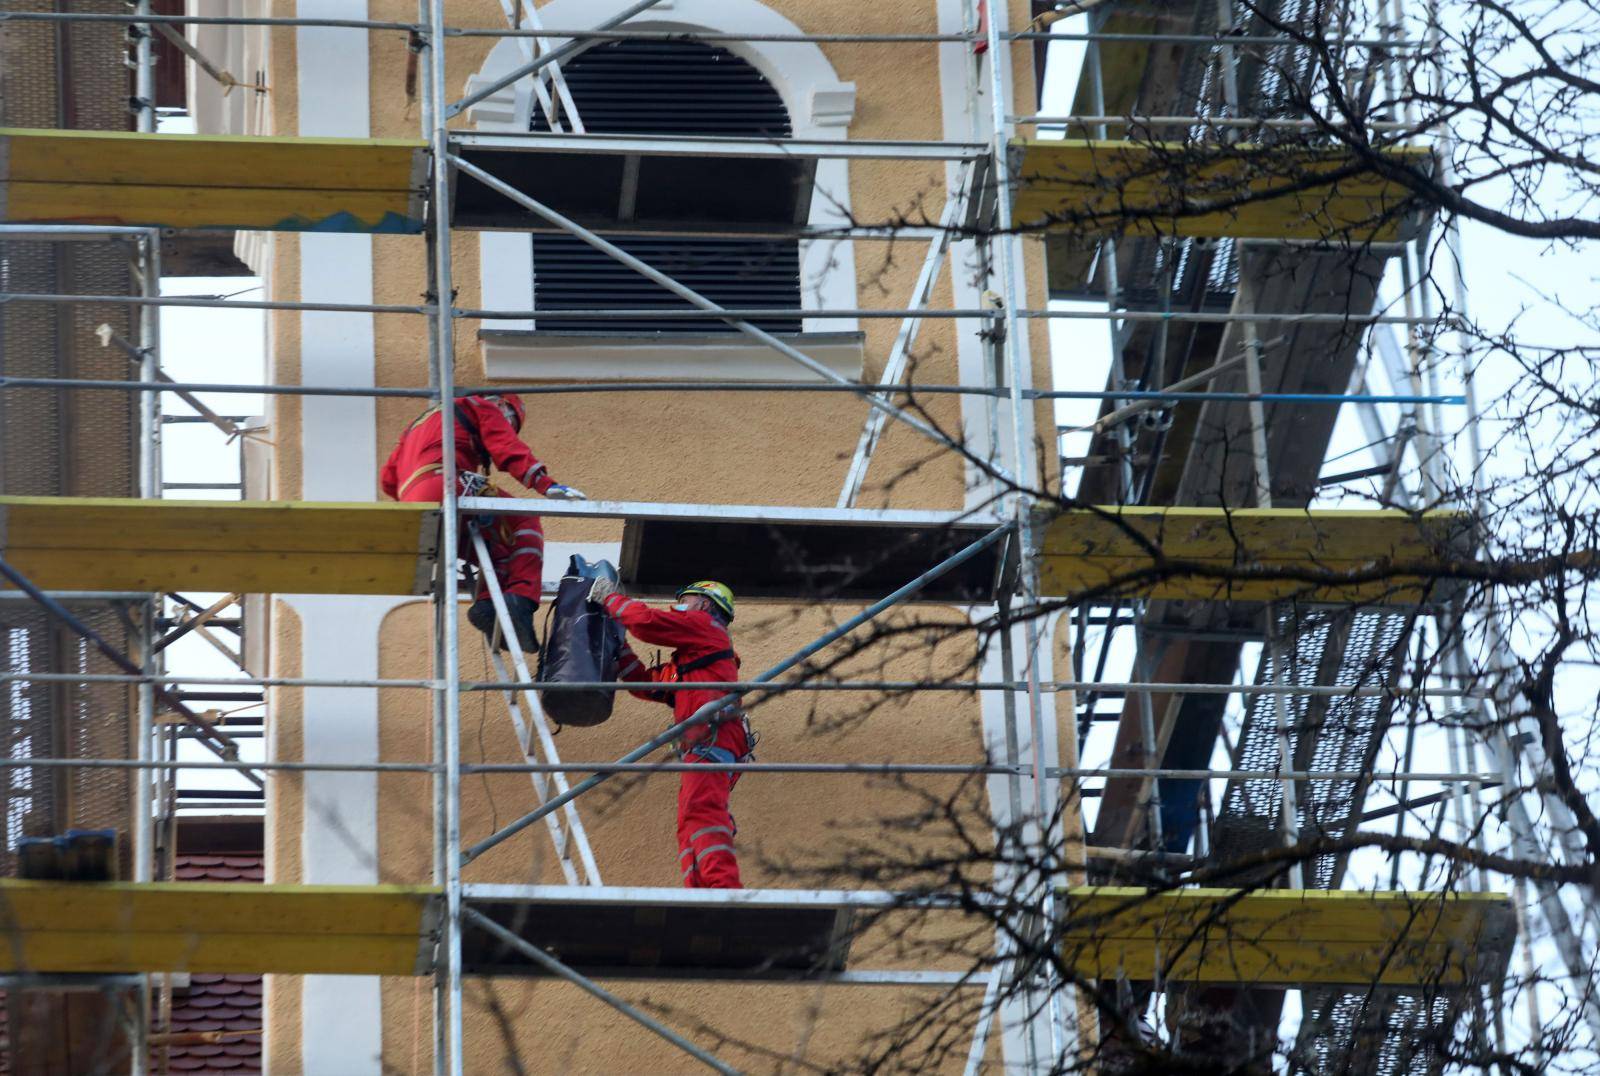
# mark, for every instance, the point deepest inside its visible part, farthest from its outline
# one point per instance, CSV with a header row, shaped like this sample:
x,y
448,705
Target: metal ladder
x,y
533,735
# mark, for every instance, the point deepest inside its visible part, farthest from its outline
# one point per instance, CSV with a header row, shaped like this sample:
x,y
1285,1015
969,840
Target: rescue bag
x,y
581,644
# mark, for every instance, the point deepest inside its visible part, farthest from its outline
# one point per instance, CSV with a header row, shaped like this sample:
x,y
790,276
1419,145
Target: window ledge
x,y
522,355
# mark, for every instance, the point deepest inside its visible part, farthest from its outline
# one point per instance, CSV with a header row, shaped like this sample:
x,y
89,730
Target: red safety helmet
x,y
513,401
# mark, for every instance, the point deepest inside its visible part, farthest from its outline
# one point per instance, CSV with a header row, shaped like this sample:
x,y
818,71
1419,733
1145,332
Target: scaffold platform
x,y
1092,187
246,547
202,182
1288,937
1213,554
834,555
771,552
1264,937
660,933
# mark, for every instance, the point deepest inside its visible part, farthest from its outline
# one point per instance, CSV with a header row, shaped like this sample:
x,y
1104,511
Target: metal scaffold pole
x,y
1059,1005
147,267
447,641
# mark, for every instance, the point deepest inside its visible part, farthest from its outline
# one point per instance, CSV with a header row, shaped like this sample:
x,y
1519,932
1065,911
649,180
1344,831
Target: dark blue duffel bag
x,y
581,645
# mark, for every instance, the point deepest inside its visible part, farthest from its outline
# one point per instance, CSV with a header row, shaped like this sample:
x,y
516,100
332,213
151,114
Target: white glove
x,y
601,589
558,492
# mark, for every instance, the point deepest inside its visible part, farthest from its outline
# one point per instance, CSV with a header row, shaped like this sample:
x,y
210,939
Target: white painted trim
x,y
820,107
989,421
514,356
1015,1019
341,1017
962,124
502,286
338,434
556,555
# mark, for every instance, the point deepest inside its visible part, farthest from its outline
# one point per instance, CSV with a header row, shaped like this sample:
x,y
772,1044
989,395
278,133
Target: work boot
x,y
481,616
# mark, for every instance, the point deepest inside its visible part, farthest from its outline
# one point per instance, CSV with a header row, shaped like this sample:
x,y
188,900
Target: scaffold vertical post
x,y
442,329
1012,290
148,268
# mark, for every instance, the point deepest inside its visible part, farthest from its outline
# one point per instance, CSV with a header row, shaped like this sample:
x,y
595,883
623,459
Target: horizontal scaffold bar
x,y
1093,187
593,34
212,181
204,303
774,687
928,39
230,546
1253,554
868,769
1286,937
543,143
594,387
1264,122
1441,321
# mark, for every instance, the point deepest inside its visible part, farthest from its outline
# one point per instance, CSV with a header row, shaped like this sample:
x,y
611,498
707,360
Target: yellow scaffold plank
x,y
246,547
212,181
1213,554
1285,937
209,928
1141,188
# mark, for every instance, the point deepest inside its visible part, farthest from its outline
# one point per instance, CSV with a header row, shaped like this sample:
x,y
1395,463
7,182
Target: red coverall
x,y
705,827
414,472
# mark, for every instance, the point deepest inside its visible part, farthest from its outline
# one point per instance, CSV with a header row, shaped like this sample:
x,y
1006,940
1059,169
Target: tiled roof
x,y
235,867
217,1003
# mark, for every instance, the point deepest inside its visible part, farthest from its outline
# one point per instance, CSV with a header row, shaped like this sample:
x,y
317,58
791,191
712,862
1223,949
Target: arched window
x,y
677,87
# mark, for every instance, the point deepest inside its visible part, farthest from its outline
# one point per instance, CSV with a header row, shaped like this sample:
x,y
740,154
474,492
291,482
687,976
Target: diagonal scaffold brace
x,y
556,967
208,734
869,393
710,710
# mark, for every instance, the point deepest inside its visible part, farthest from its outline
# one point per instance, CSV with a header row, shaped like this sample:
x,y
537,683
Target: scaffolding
x,y
1129,562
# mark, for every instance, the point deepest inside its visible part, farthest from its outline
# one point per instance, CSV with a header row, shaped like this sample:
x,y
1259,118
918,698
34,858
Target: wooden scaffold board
x,y
1288,937
1252,554
242,547
1092,187
212,181
215,927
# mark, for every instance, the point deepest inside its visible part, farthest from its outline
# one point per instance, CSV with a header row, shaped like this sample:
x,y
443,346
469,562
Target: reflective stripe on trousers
x,y
706,829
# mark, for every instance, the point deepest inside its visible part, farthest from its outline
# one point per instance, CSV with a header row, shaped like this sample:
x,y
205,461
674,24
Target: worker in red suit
x,y
697,630
487,435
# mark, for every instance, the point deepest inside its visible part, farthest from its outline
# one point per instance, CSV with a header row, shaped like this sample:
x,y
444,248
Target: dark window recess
x,y
680,87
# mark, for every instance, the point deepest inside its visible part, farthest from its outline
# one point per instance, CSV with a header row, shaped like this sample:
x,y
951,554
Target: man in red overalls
x,y
487,434
697,630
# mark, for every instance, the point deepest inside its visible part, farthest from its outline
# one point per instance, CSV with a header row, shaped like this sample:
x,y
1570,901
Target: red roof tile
x,y
227,1003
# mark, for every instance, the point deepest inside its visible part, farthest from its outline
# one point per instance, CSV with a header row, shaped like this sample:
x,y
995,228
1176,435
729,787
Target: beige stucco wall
x,y
729,448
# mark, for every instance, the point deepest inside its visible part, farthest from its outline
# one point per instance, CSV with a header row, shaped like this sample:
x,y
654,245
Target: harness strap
x,y
416,476
705,661
465,420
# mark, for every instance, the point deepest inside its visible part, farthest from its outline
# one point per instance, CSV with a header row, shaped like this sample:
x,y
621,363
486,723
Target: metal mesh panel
x,y
1266,79
1356,1032
1366,1034
1346,649
63,720
55,75
61,443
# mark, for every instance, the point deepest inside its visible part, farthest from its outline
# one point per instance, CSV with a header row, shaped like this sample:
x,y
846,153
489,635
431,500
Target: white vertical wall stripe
x,y
341,1016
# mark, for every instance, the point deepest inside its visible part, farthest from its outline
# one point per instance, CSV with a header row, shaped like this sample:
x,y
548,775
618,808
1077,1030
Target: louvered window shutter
x,y
678,87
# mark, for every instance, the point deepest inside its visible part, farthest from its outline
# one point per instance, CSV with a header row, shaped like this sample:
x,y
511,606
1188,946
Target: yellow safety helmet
x,y
719,595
